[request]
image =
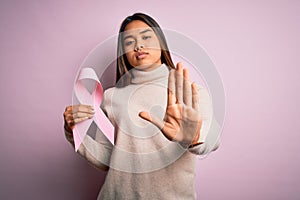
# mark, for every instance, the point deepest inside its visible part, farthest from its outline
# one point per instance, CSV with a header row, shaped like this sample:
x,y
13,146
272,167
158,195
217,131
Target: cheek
x,y
154,45
157,54
130,56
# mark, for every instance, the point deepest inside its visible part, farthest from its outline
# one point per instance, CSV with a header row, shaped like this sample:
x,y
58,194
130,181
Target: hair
x,y
123,65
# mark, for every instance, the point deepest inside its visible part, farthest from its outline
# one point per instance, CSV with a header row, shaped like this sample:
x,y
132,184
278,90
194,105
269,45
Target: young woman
x,y
161,120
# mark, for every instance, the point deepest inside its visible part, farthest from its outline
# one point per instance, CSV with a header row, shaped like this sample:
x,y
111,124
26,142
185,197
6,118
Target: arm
x,y
210,130
97,149
92,150
211,142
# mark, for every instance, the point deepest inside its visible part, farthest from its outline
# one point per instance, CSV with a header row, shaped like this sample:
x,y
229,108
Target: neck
x,y
158,73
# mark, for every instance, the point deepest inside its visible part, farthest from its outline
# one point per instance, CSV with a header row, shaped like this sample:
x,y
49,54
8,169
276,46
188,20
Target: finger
x,y
83,108
79,107
153,119
187,90
66,113
70,123
81,115
68,116
195,97
171,88
78,120
72,116
179,83
68,108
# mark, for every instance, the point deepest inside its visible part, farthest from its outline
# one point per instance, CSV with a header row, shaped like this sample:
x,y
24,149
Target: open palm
x,y
182,121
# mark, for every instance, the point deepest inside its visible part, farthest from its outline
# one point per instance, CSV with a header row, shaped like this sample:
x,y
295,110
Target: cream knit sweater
x,y
143,164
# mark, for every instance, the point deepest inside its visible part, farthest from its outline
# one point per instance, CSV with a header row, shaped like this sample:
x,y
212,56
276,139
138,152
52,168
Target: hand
x,y
182,121
76,114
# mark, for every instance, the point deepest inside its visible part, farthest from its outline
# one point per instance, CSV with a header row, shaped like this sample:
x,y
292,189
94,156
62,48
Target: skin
x,y
140,38
182,121
75,114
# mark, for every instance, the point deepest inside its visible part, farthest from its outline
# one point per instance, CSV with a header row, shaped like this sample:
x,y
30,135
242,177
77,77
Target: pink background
x,y
254,44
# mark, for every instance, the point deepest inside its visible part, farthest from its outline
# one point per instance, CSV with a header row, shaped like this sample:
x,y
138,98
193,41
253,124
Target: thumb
x,y
153,119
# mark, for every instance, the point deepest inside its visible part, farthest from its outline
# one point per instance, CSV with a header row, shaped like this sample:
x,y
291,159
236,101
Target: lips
x,y
141,55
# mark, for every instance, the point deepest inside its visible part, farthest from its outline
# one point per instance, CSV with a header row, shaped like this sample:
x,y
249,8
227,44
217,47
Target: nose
x,y
138,46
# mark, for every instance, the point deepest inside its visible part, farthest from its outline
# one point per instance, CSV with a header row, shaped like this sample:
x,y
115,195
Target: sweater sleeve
x,y
210,129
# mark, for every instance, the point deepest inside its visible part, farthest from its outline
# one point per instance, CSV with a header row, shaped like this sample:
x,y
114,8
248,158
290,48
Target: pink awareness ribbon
x,y
95,99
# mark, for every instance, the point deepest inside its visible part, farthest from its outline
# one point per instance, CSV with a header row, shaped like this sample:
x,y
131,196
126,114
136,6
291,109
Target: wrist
x,y
195,144
196,140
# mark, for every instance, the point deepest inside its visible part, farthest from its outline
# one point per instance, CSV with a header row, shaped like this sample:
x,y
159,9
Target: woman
x,y
160,120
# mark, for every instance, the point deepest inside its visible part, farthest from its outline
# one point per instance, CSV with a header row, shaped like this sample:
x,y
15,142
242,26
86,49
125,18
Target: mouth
x,y
141,55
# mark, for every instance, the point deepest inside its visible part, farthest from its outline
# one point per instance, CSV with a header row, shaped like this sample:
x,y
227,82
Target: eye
x,y
146,37
128,43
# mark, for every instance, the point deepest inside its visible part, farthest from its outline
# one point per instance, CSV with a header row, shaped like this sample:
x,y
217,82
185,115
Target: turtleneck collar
x,y
141,77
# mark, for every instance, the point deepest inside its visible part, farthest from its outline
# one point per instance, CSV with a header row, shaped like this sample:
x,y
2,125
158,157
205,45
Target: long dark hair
x,y
123,65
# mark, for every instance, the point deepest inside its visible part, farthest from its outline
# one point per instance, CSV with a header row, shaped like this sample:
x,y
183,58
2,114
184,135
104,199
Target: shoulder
x,y
109,91
107,97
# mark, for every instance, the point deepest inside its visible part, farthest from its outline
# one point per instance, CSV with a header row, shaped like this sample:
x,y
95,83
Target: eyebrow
x,y
143,31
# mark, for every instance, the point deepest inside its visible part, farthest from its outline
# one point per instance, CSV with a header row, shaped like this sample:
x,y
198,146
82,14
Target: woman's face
x,y
141,45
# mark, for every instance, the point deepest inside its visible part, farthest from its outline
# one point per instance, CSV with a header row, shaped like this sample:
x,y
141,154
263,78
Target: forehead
x,y
136,27
136,24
